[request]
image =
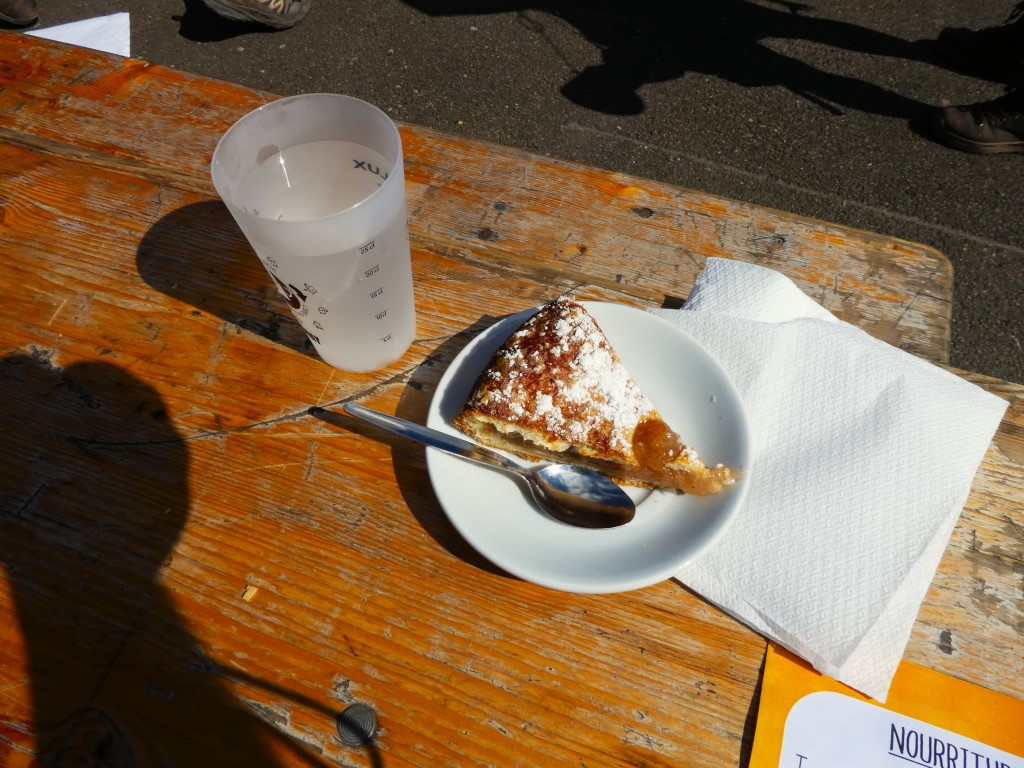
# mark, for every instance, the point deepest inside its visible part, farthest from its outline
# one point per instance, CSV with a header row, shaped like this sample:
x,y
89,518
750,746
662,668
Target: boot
x,y
21,13
987,128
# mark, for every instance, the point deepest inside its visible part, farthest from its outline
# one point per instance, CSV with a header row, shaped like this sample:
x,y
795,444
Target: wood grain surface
x,y
196,571
492,206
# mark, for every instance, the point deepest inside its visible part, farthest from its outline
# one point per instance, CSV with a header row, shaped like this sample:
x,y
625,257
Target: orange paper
x,y
807,720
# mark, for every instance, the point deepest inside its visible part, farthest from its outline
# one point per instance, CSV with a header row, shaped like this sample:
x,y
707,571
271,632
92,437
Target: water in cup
x,y
316,183
312,180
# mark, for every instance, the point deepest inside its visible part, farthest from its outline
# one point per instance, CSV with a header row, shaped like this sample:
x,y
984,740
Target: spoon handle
x,y
444,442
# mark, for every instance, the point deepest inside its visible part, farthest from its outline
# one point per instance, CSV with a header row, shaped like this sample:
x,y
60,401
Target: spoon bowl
x,y
569,493
580,496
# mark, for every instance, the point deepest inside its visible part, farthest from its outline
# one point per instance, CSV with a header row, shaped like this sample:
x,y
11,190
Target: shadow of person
x,y
95,496
197,254
729,39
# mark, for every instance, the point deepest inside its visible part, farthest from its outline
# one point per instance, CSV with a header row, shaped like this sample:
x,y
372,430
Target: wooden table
x,y
196,571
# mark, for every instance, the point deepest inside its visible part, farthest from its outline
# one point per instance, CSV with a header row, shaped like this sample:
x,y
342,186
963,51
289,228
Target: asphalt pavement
x,y
820,109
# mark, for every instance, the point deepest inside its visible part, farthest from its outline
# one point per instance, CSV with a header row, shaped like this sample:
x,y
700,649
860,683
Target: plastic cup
x,y
317,186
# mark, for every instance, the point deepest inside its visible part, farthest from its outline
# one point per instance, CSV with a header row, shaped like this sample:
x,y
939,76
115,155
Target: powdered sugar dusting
x,y
559,375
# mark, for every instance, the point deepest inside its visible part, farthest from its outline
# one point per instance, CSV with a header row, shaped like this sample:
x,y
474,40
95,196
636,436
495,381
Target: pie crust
x,y
557,391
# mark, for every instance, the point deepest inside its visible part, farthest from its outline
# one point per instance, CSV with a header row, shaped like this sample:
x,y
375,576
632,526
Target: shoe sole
x,y
19,22
231,11
983,148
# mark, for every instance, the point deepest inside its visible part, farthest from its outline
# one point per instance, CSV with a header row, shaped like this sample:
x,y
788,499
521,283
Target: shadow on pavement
x,y
663,40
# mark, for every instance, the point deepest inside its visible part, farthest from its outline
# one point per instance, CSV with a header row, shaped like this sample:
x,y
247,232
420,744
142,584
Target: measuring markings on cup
x,y
331,318
377,293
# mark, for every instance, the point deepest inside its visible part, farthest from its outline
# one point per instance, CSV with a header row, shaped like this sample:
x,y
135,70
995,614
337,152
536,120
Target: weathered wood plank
x,y
484,202
137,309
192,564
970,624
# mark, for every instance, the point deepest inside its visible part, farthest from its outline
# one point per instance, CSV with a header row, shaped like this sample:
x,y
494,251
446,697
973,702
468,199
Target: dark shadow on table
x,y
412,406
663,40
408,458
198,255
95,496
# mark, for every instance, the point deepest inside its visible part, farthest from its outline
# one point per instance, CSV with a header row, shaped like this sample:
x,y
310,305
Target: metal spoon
x,y
572,494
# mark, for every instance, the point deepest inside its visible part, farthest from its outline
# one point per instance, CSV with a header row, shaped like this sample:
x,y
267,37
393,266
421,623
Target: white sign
x,y
828,730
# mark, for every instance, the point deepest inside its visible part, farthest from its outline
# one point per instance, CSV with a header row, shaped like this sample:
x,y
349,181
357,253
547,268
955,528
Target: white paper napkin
x,y
863,458
110,34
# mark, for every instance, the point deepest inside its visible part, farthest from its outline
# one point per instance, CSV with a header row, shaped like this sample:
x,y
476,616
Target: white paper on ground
x,y
110,34
863,459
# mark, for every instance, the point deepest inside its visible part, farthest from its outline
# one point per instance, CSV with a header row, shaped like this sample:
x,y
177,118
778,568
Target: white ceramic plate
x,y
493,509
